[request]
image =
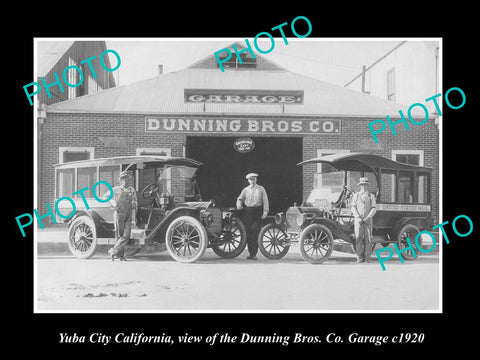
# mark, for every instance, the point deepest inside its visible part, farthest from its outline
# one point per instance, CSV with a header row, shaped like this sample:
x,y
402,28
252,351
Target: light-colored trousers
x,y
363,236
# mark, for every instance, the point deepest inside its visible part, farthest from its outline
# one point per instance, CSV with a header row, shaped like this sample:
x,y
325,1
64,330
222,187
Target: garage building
x,y
254,116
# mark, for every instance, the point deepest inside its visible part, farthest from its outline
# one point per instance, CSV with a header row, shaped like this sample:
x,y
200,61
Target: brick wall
x,y
83,130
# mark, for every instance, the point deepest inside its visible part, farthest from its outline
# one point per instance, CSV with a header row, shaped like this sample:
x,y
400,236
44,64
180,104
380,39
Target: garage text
x,y
303,126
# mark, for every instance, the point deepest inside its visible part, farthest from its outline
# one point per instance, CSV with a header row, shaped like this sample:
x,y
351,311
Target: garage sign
x,y
244,145
243,96
209,125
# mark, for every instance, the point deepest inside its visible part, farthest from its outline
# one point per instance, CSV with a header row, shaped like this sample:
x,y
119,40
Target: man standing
x,y
124,200
363,209
254,202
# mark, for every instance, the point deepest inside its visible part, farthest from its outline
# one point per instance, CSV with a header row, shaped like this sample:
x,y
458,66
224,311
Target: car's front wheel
x,y
232,241
273,242
316,243
82,237
186,239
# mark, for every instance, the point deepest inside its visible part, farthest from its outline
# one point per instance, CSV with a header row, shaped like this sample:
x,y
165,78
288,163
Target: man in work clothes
x,y
124,200
363,209
254,201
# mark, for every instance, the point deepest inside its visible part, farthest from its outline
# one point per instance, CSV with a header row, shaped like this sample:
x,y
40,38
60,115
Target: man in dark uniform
x,y
254,201
124,201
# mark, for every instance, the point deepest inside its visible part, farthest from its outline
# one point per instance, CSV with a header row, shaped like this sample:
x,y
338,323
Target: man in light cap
x,y
254,201
123,201
363,209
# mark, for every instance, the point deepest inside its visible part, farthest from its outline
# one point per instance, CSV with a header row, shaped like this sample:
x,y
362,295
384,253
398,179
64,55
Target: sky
x,y
333,60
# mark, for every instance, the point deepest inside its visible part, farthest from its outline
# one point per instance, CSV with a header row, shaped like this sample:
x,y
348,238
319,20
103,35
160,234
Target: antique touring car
x,y
171,211
324,221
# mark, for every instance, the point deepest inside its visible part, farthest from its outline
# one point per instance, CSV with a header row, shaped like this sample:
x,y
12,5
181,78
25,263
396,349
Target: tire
x,y
232,240
82,237
316,243
408,231
271,242
186,234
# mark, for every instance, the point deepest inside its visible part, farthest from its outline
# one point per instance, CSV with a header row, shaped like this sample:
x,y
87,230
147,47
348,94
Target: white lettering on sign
x,y
244,96
403,207
243,126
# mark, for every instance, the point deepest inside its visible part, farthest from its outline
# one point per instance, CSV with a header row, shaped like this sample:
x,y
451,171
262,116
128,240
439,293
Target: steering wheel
x,y
149,190
347,192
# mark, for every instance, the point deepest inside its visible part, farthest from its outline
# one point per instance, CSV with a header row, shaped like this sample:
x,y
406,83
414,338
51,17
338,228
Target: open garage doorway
x,y
222,176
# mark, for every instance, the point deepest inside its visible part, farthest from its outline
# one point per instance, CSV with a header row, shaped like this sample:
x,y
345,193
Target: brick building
x,y
200,112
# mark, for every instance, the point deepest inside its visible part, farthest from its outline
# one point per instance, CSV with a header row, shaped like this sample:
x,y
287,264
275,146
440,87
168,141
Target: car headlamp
x,y
300,219
280,218
227,217
207,218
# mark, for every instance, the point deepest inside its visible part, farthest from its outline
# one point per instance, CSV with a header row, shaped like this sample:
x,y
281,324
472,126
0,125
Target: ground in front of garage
x,y
153,281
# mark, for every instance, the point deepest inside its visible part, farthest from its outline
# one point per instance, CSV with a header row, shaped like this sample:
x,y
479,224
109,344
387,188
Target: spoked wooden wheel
x,y
316,243
186,239
409,231
232,241
82,237
273,242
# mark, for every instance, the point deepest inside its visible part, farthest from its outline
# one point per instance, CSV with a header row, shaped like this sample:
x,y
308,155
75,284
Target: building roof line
x,y
232,115
375,63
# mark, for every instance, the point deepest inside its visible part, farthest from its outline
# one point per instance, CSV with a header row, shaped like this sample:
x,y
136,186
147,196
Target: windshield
x,y
327,185
178,180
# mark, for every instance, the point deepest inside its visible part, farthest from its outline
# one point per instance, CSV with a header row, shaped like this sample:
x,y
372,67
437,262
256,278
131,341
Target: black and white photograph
x,y
292,182
224,175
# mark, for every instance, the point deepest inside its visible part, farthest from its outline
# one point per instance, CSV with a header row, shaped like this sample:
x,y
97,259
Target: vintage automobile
x,y
171,211
324,221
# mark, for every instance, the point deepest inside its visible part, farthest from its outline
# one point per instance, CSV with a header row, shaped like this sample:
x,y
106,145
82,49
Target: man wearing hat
x,y
254,201
123,201
363,209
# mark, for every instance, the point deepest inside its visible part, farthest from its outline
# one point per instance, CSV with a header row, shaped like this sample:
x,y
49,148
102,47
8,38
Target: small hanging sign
x,y
244,145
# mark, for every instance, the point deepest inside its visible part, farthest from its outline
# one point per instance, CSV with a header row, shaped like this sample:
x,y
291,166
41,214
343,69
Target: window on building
x,y
247,61
92,85
391,84
411,159
82,88
68,154
406,181
73,77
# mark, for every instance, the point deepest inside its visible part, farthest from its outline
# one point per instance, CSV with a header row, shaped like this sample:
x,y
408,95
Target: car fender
x,y
337,232
103,228
173,214
420,222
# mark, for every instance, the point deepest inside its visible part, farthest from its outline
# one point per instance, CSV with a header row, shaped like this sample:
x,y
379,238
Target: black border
x,y
28,331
